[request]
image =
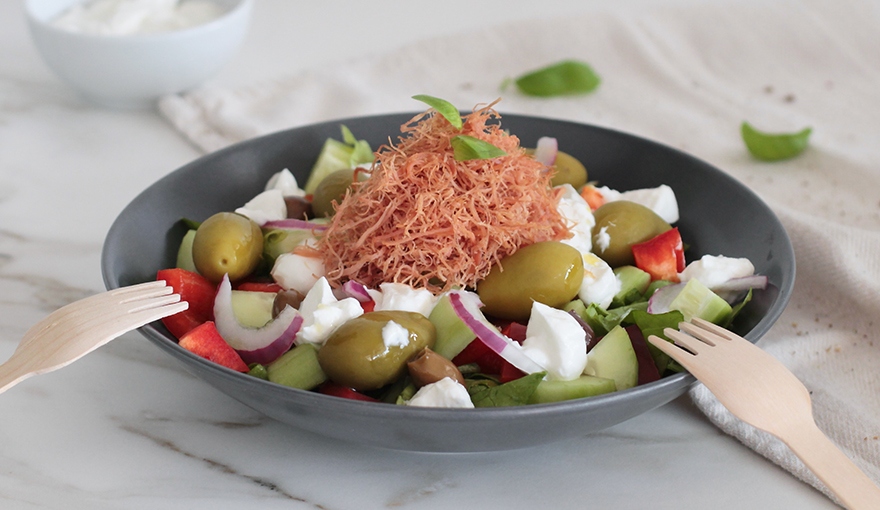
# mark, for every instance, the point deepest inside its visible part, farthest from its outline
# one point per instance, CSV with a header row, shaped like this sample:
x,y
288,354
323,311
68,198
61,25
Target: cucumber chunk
x,y
185,252
298,368
583,386
252,309
696,300
633,283
614,358
453,335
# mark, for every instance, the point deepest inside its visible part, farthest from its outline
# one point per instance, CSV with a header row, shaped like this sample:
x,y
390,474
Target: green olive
x,y
332,187
548,272
227,243
620,225
356,354
569,170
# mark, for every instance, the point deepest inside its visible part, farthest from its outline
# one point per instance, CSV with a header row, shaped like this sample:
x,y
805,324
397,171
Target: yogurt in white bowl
x,y
128,53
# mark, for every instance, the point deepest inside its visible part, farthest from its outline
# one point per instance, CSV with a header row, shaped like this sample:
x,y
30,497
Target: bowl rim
x,y
675,382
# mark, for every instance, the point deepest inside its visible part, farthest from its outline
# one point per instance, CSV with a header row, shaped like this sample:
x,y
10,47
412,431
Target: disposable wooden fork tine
x,y
761,391
77,329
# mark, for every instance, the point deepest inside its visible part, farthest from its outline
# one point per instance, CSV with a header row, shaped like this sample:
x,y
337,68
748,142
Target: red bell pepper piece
x,y
509,372
338,390
368,306
662,256
195,290
488,360
479,353
515,331
259,287
205,341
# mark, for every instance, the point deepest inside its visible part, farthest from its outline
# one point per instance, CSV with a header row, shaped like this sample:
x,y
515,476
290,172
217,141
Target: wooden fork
x,y
761,391
77,329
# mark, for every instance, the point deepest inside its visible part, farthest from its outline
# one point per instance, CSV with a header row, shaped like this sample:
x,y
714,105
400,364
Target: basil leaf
x,y
774,147
485,393
443,107
564,78
467,148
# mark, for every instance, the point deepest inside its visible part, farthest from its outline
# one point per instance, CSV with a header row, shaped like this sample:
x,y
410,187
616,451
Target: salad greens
x,y
574,347
774,147
568,77
487,392
348,153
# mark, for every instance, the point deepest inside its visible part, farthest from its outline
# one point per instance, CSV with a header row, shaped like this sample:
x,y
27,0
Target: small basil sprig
x,y
774,147
443,107
466,148
563,78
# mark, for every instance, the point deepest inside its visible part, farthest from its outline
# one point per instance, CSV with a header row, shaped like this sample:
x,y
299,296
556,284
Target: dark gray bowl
x,y
719,216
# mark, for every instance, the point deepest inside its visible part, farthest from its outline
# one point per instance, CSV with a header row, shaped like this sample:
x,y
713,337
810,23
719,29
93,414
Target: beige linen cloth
x,y
685,74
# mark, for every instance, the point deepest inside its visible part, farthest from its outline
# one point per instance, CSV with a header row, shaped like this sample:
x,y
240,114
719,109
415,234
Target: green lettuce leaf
x,y
486,392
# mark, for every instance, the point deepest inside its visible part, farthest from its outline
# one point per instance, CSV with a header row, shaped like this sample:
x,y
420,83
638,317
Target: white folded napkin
x,y
686,75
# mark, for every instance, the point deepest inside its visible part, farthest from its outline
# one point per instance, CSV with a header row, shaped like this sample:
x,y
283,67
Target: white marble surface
x,y
128,428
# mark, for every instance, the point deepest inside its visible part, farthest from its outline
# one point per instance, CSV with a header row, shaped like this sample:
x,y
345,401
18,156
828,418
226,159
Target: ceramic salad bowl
x,y
718,216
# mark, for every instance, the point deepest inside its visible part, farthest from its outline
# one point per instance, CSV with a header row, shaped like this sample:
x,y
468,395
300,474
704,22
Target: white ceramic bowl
x,y
132,71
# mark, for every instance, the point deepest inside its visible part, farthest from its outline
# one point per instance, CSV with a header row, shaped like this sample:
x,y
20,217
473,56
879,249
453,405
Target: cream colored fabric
x,y
686,74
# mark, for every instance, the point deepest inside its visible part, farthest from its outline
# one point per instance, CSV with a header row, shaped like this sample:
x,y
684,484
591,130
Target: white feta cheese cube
x,y
579,218
444,393
399,296
322,313
285,182
661,200
712,270
555,341
265,207
600,284
297,272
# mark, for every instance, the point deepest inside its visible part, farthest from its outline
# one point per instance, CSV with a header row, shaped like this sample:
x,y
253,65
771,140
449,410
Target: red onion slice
x,y
254,345
661,299
356,290
742,283
546,150
467,307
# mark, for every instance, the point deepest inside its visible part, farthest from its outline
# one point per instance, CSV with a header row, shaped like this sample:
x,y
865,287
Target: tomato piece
x,y
368,306
662,256
593,196
205,341
338,390
196,290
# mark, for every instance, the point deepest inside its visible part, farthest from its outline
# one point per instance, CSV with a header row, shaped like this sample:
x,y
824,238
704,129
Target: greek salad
x,y
451,268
